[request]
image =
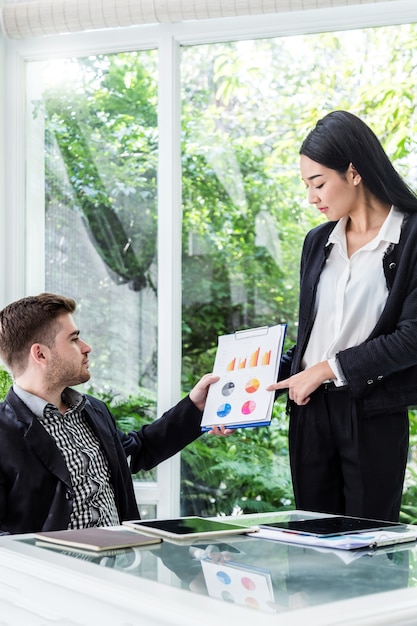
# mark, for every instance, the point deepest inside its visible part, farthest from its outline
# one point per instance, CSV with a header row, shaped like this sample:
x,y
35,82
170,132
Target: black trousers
x,y
344,461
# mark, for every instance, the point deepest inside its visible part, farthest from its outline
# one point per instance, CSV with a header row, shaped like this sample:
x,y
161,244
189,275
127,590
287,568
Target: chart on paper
x,y
247,362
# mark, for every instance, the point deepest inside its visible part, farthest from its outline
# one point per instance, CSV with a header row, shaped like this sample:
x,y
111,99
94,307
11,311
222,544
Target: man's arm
x,y
172,432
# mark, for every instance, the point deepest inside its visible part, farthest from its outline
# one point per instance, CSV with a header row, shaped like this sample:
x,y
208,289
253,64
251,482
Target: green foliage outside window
x,y
5,382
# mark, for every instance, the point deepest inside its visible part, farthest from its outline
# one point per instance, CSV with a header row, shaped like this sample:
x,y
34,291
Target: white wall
x,y
2,166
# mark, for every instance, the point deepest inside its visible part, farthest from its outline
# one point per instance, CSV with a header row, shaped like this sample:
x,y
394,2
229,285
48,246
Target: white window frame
x,y
22,230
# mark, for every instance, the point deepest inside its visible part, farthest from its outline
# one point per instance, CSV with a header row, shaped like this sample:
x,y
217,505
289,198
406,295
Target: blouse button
x,y
370,382
392,266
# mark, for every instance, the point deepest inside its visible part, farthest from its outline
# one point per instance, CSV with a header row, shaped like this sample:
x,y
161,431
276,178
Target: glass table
x,y
237,578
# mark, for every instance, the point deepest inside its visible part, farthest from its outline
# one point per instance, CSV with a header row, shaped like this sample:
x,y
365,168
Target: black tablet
x,y
331,526
184,528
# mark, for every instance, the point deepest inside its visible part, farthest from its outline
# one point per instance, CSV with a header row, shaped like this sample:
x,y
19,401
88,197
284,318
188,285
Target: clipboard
x,y
247,361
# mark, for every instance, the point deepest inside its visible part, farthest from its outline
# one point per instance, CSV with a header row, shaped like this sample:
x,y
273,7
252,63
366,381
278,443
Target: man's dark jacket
x,y
382,371
36,493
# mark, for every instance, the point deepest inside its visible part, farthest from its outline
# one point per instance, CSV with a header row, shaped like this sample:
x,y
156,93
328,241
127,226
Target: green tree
x,y
5,382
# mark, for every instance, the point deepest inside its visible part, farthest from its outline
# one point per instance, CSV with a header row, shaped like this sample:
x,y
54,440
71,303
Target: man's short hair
x,y
28,321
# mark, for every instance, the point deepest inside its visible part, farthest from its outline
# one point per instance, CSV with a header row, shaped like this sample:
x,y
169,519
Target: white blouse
x,y
351,293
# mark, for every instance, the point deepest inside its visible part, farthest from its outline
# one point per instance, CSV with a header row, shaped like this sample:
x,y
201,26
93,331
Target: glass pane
x,y
247,106
101,217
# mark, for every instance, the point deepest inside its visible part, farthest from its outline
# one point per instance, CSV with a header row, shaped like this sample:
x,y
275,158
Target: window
x,y
101,154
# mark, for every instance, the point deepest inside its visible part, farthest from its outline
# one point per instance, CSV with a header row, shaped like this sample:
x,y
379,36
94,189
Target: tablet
x,y
332,526
184,528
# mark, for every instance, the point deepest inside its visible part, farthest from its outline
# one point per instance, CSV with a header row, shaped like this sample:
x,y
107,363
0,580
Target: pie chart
x,y
228,388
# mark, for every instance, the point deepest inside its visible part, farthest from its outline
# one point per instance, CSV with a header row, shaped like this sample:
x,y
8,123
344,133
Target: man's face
x,y
68,355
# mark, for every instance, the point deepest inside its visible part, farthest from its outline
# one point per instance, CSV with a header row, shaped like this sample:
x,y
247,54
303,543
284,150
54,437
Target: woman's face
x,y
335,195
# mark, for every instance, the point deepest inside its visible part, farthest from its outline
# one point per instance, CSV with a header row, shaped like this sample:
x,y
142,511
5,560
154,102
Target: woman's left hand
x,y
221,431
301,385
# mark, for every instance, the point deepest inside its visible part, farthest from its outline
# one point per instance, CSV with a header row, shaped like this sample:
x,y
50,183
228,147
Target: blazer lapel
x,y
41,443
100,425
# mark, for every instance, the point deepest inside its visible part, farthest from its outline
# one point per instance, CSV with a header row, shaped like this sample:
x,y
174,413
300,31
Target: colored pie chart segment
x,y
248,407
252,385
224,410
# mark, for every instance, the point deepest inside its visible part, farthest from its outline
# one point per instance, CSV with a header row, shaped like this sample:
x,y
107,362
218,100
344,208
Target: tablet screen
x,y
338,525
187,526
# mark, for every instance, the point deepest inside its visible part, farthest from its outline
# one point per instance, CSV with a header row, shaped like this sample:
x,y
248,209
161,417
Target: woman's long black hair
x,y
341,138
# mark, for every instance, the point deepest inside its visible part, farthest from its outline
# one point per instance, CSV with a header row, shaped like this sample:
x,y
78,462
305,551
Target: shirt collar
x,y
71,397
390,230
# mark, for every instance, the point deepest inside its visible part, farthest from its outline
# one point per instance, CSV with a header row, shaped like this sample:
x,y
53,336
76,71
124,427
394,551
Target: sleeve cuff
x,y
340,379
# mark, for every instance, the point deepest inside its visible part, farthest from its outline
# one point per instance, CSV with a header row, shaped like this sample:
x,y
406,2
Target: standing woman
x,y
353,372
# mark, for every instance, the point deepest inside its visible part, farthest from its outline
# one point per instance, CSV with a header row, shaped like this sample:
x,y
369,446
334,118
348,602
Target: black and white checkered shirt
x,y
94,503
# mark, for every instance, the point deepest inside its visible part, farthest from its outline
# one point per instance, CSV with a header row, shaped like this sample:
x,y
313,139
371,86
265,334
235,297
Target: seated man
x,y
63,462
